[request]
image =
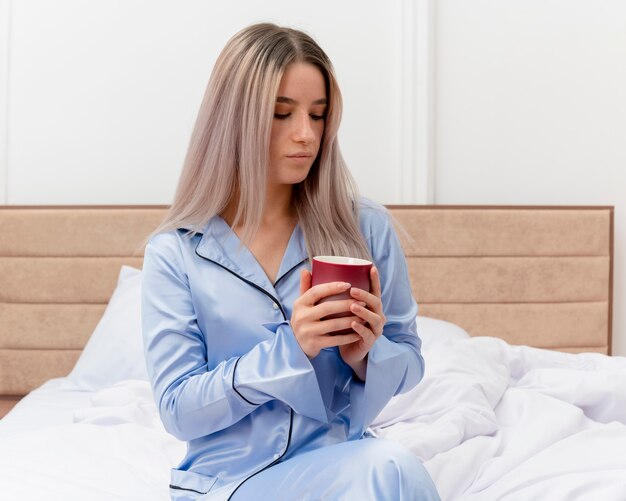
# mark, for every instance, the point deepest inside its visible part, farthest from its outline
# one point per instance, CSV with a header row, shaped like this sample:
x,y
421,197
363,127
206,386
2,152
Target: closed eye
x,y
283,116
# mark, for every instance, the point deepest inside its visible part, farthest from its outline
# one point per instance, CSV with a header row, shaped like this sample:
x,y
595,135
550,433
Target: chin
x,y
294,176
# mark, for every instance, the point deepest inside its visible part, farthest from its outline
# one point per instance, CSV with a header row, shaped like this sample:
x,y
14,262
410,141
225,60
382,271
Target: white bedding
x,y
493,422
489,420
46,406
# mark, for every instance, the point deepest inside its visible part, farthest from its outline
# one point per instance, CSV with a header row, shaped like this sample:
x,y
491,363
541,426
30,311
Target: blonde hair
x,y
228,151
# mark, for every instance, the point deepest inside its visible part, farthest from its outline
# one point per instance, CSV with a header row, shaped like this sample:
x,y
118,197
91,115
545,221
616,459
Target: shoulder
x,y
170,253
379,229
171,239
174,245
372,216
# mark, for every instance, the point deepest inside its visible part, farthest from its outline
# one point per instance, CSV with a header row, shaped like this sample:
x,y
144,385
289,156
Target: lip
x,y
300,155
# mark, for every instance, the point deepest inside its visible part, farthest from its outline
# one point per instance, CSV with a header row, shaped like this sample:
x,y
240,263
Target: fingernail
x,y
356,292
356,307
361,303
343,285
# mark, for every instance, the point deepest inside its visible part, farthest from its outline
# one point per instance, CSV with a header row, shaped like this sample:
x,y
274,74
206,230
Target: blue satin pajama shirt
x,y
227,373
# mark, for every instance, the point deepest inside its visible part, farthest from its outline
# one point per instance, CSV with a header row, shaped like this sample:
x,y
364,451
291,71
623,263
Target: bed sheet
x,y
44,407
100,445
490,421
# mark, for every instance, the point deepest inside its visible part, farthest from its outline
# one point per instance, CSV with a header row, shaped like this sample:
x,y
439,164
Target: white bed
x,y
491,420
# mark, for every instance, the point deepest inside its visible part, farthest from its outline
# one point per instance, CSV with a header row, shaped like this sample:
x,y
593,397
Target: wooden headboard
x,y
540,276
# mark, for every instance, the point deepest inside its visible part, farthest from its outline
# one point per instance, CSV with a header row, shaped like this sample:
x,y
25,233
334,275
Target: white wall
x,y
531,109
5,16
97,99
102,95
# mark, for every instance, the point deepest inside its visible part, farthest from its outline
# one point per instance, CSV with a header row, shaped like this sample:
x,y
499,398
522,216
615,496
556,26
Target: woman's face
x,y
298,124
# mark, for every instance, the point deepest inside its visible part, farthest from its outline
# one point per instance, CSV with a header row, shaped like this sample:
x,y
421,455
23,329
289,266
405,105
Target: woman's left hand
x,y
370,329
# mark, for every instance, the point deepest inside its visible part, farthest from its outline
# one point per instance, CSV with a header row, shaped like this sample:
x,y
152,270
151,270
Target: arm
x,y
192,399
394,363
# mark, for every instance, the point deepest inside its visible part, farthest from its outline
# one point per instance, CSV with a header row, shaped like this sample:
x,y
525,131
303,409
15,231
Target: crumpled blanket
x,y
493,421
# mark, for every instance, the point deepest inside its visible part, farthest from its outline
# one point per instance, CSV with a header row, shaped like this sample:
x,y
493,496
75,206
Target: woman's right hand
x,y
306,319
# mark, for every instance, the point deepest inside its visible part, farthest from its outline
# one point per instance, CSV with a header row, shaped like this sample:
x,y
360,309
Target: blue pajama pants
x,y
368,469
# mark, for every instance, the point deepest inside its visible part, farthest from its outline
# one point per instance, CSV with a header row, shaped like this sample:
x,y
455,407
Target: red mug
x,y
352,270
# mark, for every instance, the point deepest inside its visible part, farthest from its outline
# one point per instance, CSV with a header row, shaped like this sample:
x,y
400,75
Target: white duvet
x,y
494,422
489,420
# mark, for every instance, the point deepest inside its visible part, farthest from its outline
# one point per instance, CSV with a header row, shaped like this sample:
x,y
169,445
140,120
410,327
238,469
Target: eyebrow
x,y
288,100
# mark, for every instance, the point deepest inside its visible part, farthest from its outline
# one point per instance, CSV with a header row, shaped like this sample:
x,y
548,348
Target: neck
x,y
278,206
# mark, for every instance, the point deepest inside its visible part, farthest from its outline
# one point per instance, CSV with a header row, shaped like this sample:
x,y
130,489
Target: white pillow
x,y
433,330
114,351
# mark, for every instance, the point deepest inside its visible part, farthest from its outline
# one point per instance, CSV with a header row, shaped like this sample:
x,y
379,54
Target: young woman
x,y
239,358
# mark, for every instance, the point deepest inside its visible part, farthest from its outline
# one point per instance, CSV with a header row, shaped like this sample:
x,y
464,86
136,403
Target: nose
x,y
302,129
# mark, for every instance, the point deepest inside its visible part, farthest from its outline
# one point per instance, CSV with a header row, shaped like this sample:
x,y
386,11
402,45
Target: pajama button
x,y
276,456
275,306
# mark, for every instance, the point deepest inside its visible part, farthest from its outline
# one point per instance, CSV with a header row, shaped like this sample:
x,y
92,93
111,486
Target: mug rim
x,y
342,260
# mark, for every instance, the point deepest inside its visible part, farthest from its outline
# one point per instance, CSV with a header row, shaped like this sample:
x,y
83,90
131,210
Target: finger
x,y
372,301
375,282
336,324
333,307
340,340
314,294
305,281
365,332
370,317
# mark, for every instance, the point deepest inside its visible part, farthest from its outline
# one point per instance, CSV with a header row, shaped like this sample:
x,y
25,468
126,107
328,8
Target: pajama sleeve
x,y
395,364
194,400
